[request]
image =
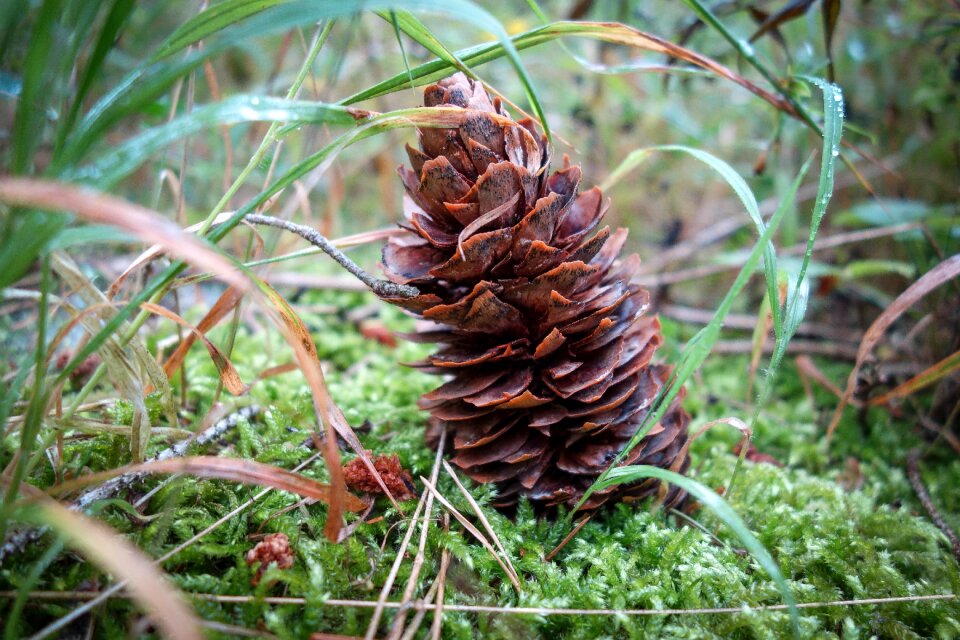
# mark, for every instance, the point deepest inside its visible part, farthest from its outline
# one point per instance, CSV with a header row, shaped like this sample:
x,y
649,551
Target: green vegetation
x,y
273,114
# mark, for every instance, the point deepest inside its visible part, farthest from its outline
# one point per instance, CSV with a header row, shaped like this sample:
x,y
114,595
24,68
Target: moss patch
x,y
831,543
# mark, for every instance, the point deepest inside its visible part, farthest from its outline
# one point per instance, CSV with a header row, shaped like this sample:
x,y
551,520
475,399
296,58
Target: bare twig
x,y
383,288
913,472
112,592
18,540
112,486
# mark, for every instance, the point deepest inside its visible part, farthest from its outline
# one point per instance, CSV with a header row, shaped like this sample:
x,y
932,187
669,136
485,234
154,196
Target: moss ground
x,y
832,542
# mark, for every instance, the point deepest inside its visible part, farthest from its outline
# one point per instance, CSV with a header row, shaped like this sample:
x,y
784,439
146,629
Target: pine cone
x,y
543,332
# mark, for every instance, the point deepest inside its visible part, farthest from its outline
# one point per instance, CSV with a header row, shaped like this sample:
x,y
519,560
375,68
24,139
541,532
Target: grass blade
x,y
115,555
740,188
243,471
119,162
722,510
939,275
699,347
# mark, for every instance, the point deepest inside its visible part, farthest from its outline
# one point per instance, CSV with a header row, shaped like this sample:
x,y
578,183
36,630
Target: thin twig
x,y
112,486
18,540
383,288
112,592
913,472
519,611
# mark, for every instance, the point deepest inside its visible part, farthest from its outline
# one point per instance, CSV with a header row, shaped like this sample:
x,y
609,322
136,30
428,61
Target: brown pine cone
x,y
544,335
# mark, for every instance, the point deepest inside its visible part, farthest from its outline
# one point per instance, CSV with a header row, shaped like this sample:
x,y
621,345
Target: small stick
x,y
383,288
112,486
18,540
913,472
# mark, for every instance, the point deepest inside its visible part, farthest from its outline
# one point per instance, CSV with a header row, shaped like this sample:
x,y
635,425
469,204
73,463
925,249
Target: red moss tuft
x,y
273,549
397,479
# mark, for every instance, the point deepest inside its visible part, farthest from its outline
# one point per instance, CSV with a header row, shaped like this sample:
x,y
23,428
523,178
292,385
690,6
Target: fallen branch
x,y
383,288
17,541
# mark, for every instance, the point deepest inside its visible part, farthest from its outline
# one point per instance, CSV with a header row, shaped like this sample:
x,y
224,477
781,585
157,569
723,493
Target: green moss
x,y
831,544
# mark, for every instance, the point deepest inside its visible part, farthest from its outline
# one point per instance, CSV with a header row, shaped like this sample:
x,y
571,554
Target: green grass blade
x,y
739,187
700,346
115,21
722,510
225,15
832,131
119,162
210,21
32,105
408,23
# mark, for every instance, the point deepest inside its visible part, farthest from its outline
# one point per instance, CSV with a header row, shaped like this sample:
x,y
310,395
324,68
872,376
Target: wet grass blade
x,y
119,162
700,346
723,511
602,31
739,187
274,13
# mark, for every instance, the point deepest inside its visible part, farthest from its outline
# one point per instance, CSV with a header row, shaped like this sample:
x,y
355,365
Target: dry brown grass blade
x,y
111,552
381,601
113,590
228,373
923,379
237,470
622,34
326,410
396,629
480,516
570,536
139,221
474,532
942,273
226,303
806,368
506,611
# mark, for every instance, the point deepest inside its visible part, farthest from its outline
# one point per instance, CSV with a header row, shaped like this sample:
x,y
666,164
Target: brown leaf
x,y
942,273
